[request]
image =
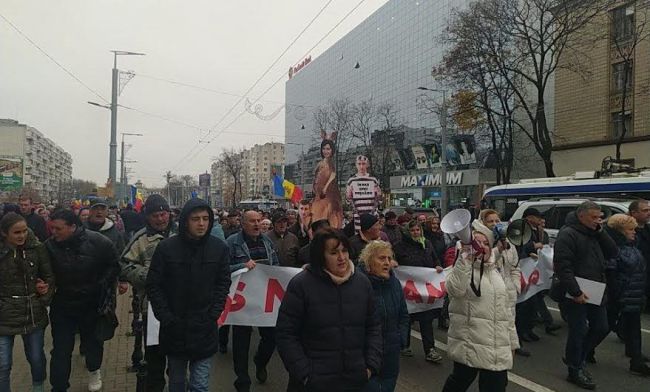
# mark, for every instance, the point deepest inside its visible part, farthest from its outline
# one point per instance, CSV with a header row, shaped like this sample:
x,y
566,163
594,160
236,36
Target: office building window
x,y
617,125
619,77
623,23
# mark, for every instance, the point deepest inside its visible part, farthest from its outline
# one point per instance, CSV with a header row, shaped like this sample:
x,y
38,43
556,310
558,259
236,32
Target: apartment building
x,y
594,108
28,158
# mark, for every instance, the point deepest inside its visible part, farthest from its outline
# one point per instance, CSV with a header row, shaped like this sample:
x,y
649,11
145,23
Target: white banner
x,y
536,274
255,295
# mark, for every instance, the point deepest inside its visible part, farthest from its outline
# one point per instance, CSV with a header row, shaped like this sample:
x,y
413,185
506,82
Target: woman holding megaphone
x,y
482,334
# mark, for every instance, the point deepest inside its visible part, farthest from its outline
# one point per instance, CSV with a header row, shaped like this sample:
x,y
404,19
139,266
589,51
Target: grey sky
x,y
216,44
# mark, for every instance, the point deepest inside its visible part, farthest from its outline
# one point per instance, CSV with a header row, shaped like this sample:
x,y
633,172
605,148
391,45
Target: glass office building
x,y
385,58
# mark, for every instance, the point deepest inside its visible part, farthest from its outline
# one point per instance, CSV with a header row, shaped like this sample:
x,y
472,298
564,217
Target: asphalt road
x,y
542,372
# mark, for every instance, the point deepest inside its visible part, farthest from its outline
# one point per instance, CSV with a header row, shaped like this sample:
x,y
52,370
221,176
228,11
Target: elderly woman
x,y
327,333
626,285
482,334
25,291
376,259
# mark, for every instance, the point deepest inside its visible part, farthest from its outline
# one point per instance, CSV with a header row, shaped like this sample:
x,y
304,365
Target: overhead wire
x,y
273,85
268,69
67,71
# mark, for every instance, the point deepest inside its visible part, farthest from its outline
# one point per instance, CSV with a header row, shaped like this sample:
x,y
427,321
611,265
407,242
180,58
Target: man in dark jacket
x,y
303,253
34,221
85,266
187,286
301,227
286,243
640,210
248,248
392,229
136,260
99,222
581,251
234,223
133,221
370,230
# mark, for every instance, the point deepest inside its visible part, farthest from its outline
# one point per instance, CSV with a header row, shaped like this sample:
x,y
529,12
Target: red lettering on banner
x,y
273,290
534,278
434,292
523,283
411,292
233,305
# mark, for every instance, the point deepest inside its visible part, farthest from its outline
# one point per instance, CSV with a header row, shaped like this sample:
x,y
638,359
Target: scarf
x,y
339,280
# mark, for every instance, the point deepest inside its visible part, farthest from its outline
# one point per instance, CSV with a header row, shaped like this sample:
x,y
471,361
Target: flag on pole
x,y
286,189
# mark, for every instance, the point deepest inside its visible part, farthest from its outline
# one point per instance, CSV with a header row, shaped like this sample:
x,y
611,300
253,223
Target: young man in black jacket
x,y
581,251
187,286
34,221
640,210
85,266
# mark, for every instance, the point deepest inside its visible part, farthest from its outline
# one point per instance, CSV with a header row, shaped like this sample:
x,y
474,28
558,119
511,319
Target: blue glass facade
x,y
395,48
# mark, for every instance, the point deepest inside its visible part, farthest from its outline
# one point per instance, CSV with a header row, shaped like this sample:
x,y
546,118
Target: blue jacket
x,y
239,253
217,231
390,308
626,275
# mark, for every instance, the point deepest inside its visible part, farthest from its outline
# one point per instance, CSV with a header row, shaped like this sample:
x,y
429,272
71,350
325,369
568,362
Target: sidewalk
x,y
117,356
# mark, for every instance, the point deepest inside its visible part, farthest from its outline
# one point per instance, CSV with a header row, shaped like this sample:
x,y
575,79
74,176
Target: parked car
x,y
555,210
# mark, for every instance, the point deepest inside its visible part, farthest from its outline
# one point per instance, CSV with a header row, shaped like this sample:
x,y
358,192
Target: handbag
x,y
106,325
557,291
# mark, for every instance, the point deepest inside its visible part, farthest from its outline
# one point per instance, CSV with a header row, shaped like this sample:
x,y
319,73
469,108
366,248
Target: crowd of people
x,y
343,323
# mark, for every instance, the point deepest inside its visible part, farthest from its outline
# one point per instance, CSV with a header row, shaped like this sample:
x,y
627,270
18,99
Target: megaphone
x,y
519,232
457,223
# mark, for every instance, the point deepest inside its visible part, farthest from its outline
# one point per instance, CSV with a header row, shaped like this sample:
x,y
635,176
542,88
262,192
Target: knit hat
x,y
278,216
367,221
155,203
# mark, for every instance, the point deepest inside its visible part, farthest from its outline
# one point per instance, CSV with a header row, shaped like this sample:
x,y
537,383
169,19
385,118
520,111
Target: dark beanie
x,y
155,203
367,221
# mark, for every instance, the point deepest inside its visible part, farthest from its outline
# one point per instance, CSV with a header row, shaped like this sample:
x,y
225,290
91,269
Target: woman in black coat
x,y
416,251
626,285
327,332
376,259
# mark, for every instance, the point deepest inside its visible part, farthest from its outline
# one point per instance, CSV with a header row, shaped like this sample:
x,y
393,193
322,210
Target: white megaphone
x,y
457,223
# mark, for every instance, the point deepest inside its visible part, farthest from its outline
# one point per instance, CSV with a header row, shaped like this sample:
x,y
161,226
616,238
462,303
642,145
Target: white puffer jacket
x,y
482,330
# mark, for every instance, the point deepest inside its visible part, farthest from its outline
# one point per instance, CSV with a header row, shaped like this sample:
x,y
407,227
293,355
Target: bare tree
x,y
628,30
384,144
533,36
364,118
83,187
233,163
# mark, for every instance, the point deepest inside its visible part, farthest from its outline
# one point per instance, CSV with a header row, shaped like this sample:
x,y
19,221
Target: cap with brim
x,y
98,203
532,212
279,216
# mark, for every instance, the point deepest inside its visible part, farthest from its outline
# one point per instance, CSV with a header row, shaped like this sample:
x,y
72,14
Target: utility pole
x,y
169,189
123,177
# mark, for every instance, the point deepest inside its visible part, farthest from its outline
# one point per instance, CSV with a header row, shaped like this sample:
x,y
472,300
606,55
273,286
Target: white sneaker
x,y
95,381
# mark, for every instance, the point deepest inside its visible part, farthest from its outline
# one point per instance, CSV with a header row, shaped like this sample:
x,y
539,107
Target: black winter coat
x,y
328,333
38,225
86,267
187,286
110,231
390,308
438,242
581,252
22,309
411,253
626,275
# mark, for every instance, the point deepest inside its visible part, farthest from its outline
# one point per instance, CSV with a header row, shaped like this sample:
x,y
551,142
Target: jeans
x,y
380,384
631,326
241,342
463,376
33,343
199,374
65,323
426,328
587,328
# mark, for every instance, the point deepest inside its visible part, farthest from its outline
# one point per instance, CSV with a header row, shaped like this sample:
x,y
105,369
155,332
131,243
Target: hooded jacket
x,y
187,286
328,334
482,331
86,267
110,231
390,309
22,309
581,252
626,275
37,224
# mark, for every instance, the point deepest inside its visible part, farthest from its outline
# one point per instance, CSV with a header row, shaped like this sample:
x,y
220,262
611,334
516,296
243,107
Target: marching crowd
x,y
343,323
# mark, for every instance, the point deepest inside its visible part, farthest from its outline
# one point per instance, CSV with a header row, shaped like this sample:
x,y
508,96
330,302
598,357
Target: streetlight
x,y
112,163
443,125
123,179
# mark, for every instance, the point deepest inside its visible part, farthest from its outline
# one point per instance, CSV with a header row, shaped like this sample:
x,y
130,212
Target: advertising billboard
x,y
11,174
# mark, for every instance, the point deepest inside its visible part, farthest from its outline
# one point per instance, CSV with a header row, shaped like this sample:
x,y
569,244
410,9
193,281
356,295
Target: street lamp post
x,y
123,179
444,195
112,163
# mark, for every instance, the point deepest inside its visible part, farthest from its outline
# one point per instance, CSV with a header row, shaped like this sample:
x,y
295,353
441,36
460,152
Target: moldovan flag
x,y
286,189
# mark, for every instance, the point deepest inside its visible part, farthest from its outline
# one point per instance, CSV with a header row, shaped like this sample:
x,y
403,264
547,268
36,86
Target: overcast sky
x,y
221,45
